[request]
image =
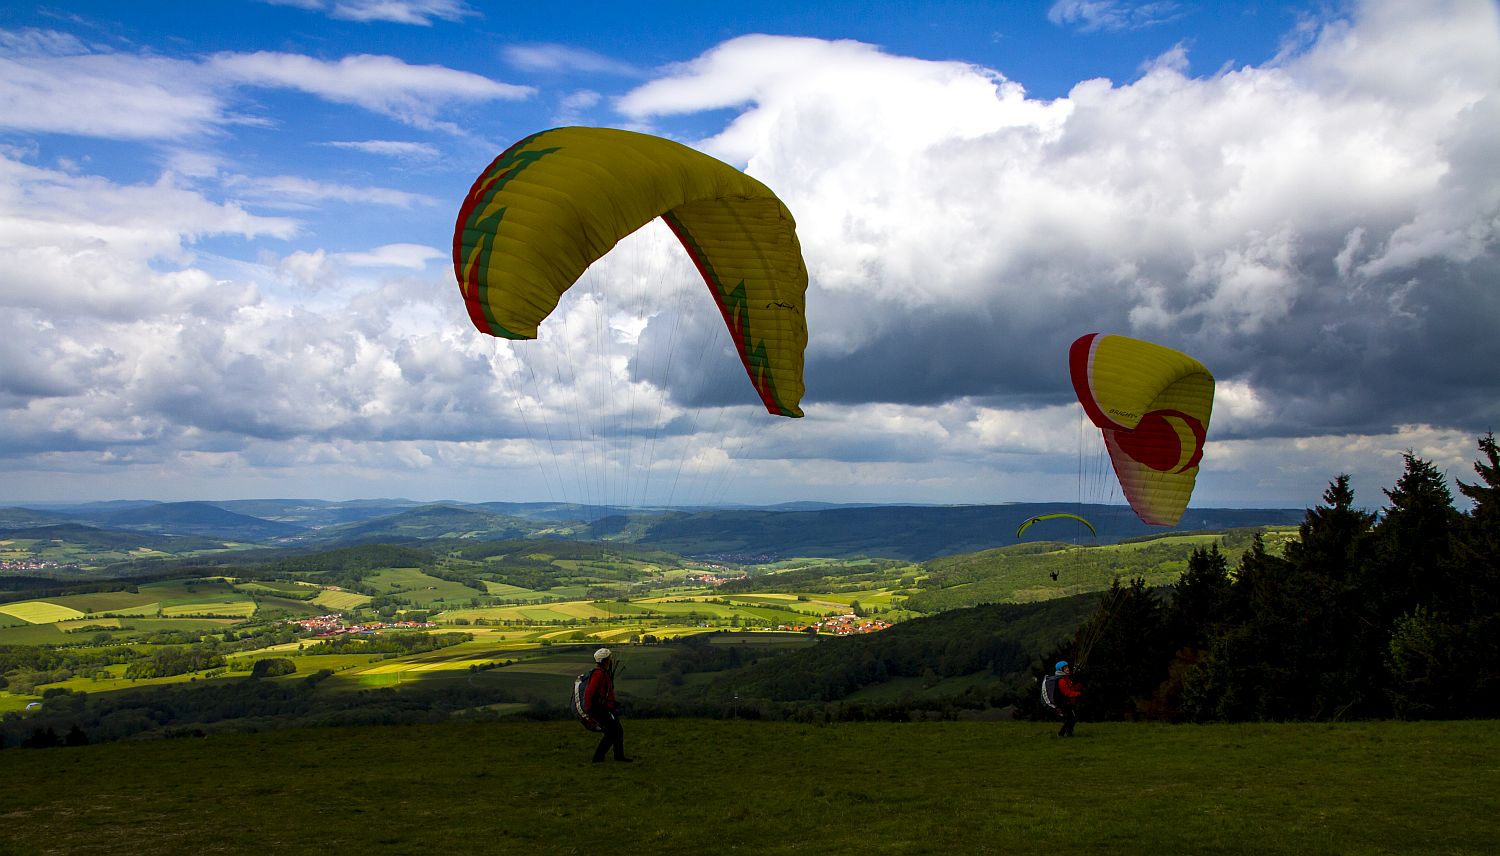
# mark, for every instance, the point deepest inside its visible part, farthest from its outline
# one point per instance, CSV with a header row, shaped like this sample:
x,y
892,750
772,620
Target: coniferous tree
x,y
1444,654
1477,553
1414,541
1195,617
1122,651
1478,562
1414,591
1199,599
1329,567
1251,669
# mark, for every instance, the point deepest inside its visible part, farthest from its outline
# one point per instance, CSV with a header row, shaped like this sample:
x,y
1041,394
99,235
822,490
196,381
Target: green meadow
x,y
1025,572
701,786
419,589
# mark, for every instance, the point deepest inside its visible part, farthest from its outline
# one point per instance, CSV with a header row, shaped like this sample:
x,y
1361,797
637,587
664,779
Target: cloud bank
x,y
1319,230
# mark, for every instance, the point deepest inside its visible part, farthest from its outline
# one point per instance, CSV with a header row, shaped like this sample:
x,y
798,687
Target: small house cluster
x,y
333,625
847,624
711,579
27,565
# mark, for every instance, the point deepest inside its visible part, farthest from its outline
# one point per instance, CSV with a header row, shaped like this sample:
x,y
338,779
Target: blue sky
x,y
224,236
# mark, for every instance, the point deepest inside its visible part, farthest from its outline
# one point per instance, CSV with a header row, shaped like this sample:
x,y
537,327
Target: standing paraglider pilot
x,y
599,698
1066,697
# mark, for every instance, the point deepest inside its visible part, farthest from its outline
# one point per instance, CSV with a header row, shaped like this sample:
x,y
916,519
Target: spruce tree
x,y
1257,660
1417,583
1335,629
1199,599
1473,607
1477,552
1415,541
1122,651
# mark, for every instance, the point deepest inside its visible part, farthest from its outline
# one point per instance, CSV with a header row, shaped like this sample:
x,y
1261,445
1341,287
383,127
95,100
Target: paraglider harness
x,y
1050,694
1052,697
581,702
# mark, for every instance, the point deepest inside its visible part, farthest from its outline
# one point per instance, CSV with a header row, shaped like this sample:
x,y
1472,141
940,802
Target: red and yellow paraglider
x,y
1152,405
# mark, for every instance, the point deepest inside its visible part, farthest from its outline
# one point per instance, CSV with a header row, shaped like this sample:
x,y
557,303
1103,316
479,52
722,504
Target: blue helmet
x,y
1061,664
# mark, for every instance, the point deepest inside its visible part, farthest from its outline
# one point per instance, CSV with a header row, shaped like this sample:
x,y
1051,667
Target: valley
x,y
507,621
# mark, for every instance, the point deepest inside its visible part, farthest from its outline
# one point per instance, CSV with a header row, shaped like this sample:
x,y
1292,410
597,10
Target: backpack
x,y
1049,692
580,700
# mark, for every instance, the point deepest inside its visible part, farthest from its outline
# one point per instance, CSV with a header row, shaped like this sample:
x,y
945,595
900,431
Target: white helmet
x,y
601,655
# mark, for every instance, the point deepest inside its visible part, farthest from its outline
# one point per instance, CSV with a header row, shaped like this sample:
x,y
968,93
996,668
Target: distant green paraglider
x,y
1030,520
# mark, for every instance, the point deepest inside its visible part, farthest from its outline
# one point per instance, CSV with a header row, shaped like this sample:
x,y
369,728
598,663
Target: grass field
x,y
32,634
420,589
737,787
227,609
108,601
40,611
291,590
341,600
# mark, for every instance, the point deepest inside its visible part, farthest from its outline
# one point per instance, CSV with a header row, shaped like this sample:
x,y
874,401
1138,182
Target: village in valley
x,y
333,624
847,624
30,565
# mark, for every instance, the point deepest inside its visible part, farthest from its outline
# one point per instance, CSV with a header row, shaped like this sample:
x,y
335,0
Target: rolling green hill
x,y
431,522
19,518
96,538
1025,572
200,518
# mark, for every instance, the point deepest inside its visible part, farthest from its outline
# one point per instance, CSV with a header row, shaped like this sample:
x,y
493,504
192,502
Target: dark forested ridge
x,y
96,537
199,518
913,533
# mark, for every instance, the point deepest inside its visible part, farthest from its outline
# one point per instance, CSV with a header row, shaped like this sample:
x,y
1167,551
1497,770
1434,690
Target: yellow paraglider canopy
x,y
556,201
1057,515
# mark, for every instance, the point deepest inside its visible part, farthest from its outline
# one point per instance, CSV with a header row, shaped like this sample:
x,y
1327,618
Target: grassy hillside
x,y
728,787
994,646
1044,570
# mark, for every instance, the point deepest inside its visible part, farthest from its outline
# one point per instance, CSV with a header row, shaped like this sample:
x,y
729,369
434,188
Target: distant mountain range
x,y
918,533
98,538
914,533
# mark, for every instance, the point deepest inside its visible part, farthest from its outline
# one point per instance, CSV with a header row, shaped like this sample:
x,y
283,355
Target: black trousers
x,y
614,736
1070,719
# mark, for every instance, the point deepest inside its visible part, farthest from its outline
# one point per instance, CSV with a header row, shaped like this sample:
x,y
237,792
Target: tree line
x,y
1382,614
